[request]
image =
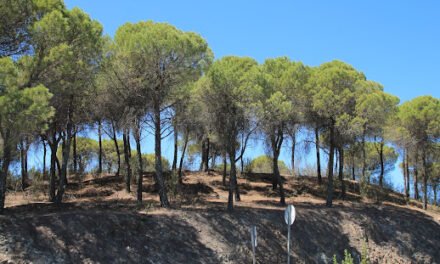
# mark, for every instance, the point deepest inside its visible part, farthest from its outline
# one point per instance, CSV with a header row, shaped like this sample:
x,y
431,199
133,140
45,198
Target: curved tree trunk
x,y
318,156
185,144
118,154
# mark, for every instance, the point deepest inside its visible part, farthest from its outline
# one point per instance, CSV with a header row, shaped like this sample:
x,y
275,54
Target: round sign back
x,y
289,214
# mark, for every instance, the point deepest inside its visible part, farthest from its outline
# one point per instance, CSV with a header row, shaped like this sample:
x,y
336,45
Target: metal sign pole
x,y
253,256
254,242
289,217
288,243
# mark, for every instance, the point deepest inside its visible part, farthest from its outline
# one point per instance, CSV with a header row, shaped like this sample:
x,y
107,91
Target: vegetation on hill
x,y
60,76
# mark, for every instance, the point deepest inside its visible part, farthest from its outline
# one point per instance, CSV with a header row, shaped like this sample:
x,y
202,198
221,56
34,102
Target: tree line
x,y
60,74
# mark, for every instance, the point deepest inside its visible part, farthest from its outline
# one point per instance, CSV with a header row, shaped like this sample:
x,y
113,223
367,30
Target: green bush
x,y
148,162
263,164
348,259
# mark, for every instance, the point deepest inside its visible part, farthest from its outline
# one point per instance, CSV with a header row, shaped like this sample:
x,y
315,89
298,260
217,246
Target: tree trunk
x,y
75,156
203,153
425,181
434,188
331,157
118,153
127,160
206,166
58,165
407,176
382,165
241,164
224,169
7,156
237,191
341,171
23,160
66,153
137,138
44,159
232,180
158,157
277,142
213,160
100,147
364,157
53,144
416,175
318,156
185,144
176,137
353,167
292,157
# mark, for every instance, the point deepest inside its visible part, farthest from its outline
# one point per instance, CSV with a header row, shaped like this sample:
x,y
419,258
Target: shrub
x,y
263,164
347,258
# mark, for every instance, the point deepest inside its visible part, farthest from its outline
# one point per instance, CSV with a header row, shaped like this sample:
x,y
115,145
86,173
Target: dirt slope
x,y
100,223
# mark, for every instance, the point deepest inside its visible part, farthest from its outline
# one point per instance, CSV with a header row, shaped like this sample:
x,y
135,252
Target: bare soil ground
x,y
100,223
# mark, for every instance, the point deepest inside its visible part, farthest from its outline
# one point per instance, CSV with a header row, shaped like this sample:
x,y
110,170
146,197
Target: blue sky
x,y
393,42
396,43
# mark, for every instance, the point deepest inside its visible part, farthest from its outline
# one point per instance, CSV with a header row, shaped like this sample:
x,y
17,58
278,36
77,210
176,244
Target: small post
x,y
288,244
289,217
254,242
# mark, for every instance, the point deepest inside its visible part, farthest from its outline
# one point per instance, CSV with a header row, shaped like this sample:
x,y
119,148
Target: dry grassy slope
x,y
100,223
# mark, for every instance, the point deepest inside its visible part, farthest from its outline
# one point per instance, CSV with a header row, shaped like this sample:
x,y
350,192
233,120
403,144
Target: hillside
x,y
100,223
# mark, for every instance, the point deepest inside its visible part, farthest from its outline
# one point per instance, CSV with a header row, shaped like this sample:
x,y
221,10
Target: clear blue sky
x,y
396,43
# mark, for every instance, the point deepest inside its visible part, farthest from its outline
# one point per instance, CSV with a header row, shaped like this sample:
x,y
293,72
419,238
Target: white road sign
x,y
289,214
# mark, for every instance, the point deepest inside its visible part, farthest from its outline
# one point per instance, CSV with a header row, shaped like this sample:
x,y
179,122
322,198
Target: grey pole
x,y
288,242
254,242
289,217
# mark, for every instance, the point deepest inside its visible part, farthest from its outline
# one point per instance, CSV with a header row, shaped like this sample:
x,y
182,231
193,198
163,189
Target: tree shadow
x,y
414,234
311,239
72,236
